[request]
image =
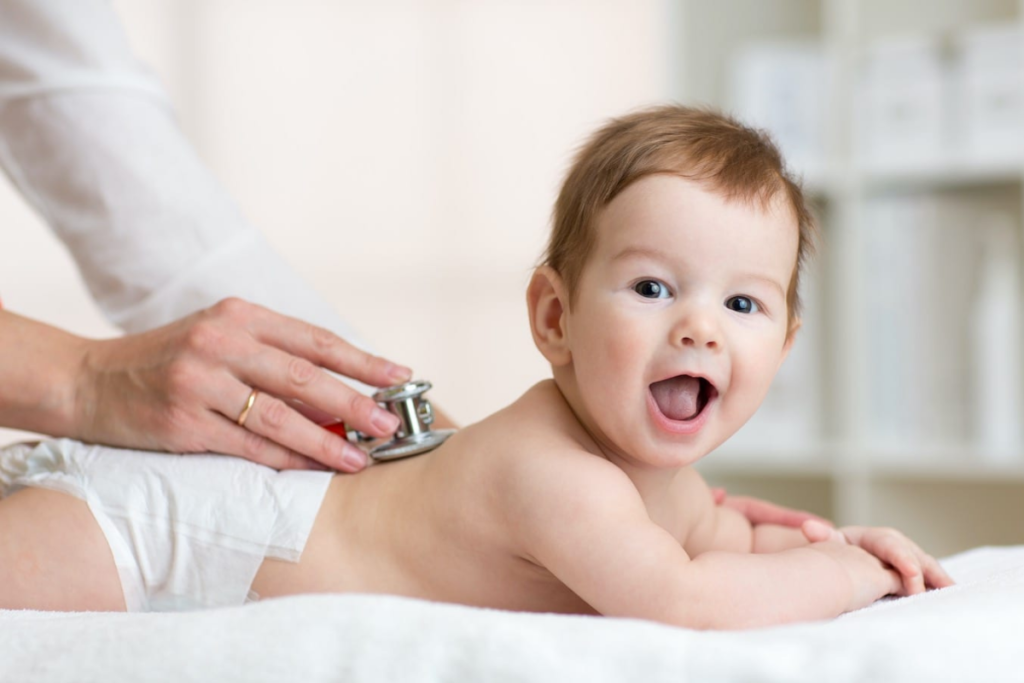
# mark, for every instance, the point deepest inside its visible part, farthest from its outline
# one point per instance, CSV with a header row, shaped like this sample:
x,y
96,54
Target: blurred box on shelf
x,y
783,88
996,342
901,102
990,92
942,296
921,262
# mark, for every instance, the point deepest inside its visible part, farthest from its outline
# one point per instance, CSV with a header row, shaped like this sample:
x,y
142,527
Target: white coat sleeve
x,y
89,138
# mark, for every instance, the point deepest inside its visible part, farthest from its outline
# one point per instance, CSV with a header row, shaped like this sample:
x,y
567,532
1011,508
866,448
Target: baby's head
x,y
669,290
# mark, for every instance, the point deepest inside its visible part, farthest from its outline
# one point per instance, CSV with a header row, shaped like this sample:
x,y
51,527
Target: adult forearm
x,y
734,590
39,365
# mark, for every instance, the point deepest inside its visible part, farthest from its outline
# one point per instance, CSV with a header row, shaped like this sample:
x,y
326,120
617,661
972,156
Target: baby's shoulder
x,y
540,416
538,423
538,447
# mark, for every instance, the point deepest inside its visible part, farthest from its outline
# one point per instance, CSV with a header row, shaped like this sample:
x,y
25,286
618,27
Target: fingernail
x,y
354,458
399,373
384,421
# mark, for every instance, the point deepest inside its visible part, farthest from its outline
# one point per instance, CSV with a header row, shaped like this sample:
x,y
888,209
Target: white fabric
x,y
87,135
186,532
968,633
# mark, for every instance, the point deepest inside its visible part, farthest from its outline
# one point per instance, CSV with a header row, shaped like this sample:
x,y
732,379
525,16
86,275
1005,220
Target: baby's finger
x,y
906,563
818,532
934,575
896,586
913,583
893,549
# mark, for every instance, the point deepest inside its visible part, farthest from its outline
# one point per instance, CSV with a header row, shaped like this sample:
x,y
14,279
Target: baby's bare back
x,y
440,526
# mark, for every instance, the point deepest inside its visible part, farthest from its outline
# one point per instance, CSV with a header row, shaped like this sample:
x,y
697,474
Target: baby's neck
x,y
653,483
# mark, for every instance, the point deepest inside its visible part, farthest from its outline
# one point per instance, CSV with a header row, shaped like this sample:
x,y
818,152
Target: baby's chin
x,y
645,449
631,437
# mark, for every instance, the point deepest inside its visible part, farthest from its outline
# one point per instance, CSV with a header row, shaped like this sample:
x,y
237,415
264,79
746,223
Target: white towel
x,y
971,632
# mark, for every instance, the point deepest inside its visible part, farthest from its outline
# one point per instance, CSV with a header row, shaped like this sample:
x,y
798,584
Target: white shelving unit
x,y
948,493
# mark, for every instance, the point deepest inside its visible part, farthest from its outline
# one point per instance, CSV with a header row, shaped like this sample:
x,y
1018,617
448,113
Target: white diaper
x,y
185,531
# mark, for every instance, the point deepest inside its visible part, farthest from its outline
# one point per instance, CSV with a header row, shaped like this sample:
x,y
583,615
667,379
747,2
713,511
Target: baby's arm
x,y
583,520
724,529
718,527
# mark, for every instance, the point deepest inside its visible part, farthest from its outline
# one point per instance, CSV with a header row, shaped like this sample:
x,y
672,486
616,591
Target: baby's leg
x,y
53,555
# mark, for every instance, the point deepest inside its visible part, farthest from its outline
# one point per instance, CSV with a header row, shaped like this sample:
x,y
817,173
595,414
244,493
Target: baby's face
x,y
680,320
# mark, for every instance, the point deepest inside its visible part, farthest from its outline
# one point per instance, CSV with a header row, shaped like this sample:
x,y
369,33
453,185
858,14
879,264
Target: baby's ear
x,y
547,302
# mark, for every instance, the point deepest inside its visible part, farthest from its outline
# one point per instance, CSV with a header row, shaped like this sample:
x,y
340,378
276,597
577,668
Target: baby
x,y
665,305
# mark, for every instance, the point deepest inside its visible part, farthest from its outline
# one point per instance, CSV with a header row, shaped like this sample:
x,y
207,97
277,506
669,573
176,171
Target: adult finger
x,y
759,511
326,349
224,437
291,377
272,420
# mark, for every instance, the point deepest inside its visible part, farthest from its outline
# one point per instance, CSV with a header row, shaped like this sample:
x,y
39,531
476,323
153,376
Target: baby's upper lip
x,y
690,373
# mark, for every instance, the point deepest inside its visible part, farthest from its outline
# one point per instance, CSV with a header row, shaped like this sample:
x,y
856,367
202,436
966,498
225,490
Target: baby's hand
x,y
917,569
870,578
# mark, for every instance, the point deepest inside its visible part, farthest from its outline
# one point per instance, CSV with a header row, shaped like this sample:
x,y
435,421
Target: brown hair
x,y
697,144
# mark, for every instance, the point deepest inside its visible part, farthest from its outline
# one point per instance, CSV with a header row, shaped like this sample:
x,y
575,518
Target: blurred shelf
x,y
805,462
833,461
943,175
950,173
977,471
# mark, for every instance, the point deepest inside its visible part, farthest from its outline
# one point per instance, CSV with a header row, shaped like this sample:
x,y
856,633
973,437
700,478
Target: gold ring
x,y
248,406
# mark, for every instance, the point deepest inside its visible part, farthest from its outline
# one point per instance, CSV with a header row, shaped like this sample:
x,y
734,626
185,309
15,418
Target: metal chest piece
x,y
415,413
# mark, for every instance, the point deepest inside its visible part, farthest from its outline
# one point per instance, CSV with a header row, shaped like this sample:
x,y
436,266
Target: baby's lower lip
x,y
691,426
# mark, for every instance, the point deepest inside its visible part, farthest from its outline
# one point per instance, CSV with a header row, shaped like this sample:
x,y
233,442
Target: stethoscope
x,y
415,414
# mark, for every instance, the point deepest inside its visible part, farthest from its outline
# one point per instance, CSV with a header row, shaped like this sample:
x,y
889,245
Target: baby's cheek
x,y
750,380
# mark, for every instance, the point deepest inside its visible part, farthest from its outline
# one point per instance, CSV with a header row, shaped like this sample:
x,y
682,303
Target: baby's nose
x,y
698,329
696,341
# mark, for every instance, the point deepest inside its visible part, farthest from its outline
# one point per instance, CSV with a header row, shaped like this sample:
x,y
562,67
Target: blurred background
x,y
403,155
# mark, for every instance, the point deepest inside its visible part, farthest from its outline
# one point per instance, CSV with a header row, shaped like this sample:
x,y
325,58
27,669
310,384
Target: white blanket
x,y
971,632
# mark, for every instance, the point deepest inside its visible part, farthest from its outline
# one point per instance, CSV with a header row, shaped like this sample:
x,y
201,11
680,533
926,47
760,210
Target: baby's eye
x,y
742,304
651,289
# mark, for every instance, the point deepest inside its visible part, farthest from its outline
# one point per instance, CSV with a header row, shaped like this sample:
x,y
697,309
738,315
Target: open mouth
x,y
683,398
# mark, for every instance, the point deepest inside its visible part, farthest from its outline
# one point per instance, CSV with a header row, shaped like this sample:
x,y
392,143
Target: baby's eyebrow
x,y
640,252
767,280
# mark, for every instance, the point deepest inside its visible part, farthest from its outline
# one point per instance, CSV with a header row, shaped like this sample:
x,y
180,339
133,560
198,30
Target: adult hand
x,y
759,511
184,387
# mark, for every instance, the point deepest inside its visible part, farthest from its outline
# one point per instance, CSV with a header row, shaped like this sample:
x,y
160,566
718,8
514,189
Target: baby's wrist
x,y
837,572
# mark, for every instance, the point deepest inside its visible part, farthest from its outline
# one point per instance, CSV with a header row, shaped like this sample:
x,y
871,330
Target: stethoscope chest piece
x,y
415,414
